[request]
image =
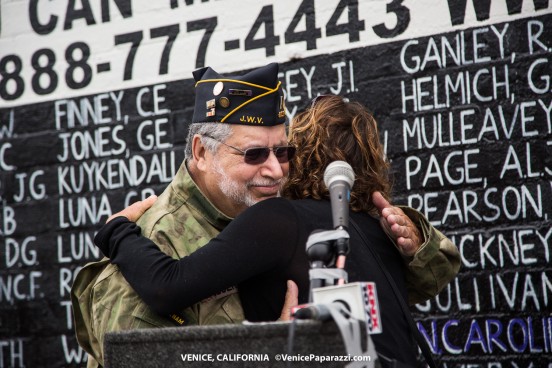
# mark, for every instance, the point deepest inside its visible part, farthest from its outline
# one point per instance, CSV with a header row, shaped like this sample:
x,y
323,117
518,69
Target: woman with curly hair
x,y
265,245
334,129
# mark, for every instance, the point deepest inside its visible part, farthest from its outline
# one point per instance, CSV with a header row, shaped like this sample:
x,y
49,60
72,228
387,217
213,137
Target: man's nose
x,y
272,168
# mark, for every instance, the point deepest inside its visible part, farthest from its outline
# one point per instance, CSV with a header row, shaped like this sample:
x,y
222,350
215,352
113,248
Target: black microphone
x,y
339,177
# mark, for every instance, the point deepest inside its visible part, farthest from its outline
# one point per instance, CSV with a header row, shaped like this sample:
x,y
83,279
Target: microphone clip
x,y
323,247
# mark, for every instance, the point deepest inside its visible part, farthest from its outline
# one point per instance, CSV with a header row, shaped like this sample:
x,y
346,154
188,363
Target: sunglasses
x,y
258,155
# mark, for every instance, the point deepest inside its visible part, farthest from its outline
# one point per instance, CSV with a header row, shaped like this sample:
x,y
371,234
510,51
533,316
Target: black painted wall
x,y
466,116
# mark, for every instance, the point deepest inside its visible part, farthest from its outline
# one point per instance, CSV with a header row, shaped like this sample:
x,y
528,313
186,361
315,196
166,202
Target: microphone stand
x,y
322,254
326,251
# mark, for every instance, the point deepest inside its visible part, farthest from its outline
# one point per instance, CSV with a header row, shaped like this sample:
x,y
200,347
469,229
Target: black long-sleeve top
x,y
258,252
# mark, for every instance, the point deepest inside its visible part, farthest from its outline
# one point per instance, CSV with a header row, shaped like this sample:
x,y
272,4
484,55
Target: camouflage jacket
x,y
181,221
434,265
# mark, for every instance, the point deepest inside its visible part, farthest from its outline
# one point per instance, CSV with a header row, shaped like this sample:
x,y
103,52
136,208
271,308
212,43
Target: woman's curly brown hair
x,y
334,129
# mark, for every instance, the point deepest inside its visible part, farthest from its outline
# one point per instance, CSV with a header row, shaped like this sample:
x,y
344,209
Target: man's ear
x,y
199,152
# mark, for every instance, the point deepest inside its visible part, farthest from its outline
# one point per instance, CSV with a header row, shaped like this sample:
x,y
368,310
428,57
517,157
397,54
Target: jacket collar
x,y
185,187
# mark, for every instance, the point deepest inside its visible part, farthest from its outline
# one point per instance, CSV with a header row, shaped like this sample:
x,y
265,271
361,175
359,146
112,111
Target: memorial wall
x,y
96,97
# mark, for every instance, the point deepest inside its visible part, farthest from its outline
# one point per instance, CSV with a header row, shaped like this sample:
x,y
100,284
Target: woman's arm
x,y
251,244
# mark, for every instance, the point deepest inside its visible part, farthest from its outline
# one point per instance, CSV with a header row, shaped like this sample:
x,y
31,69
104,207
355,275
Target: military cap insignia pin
x,y
217,89
240,92
211,104
224,102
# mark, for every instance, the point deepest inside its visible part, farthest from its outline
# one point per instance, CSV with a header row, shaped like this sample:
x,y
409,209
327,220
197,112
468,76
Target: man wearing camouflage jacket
x,y
205,195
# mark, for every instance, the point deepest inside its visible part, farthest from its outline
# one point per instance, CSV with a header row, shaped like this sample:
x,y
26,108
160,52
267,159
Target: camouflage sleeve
x,y
83,307
156,224
434,265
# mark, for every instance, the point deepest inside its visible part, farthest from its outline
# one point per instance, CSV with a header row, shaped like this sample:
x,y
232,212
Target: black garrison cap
x,y
255,98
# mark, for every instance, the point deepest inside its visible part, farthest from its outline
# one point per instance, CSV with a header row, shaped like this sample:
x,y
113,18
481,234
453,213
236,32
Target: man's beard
x,y
240,193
